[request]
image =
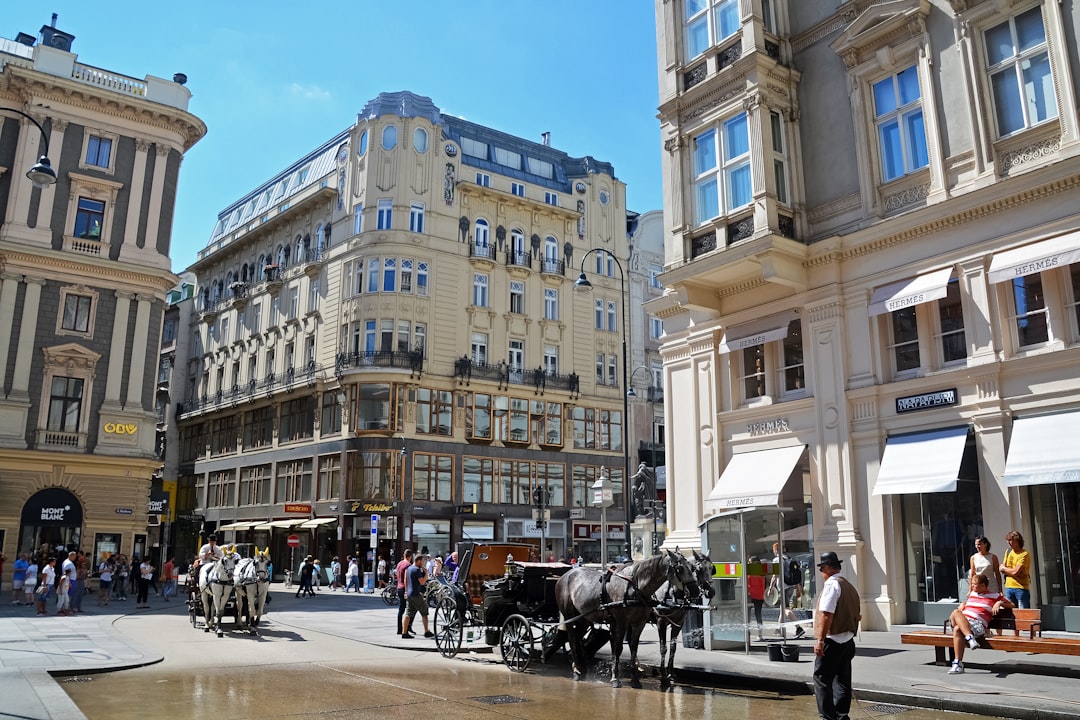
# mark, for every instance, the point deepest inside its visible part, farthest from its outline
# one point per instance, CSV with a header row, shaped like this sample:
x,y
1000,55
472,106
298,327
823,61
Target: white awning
x,y
913,291
280,524
755,479
1036,257
924,462
243,525
317,522
1044,450
758,332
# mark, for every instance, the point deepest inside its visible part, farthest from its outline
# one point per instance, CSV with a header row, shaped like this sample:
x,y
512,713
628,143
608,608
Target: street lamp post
x,y
583,284
41,174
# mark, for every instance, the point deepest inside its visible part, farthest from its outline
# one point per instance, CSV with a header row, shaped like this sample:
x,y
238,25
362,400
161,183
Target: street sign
x,y
374,531
293,541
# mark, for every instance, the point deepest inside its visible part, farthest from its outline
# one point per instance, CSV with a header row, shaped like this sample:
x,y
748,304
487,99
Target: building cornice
x,y
55,265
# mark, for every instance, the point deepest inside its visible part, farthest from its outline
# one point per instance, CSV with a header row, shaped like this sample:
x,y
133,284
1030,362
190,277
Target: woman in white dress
x,y
984,562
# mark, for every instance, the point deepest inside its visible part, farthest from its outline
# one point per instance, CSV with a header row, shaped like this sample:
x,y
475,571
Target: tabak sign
x,y
297,507
365,508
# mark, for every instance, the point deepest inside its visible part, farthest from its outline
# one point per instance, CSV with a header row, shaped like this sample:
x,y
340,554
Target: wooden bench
x,y
1028,622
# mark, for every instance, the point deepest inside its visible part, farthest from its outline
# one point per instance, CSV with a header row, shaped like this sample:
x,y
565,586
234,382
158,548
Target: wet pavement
x,y
337,656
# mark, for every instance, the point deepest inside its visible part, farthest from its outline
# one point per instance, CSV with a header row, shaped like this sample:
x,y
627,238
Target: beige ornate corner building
x,y
387,352
84,268
872,299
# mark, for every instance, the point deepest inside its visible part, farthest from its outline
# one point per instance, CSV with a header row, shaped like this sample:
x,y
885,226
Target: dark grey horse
x,y
668,613
621,597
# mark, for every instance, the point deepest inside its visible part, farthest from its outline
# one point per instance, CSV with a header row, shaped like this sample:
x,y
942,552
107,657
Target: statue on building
x,y
643,483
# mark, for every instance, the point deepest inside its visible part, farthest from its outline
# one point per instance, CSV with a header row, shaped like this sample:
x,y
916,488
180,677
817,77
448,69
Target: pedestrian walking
x,y
171,574
306,571
18,578
835,624
415,580
146,575
44,592
105,577
352,575
399,575
78,583
335,573
30,583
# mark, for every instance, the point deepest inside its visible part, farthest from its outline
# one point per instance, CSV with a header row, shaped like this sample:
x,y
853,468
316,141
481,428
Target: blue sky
x,y
273,80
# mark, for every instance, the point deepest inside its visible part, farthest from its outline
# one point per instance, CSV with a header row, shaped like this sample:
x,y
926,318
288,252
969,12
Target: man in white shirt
x,y
210,552
835,623
68,564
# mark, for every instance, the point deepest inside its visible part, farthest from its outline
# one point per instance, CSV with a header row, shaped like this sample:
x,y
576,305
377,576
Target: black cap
x,y
830,559
212,537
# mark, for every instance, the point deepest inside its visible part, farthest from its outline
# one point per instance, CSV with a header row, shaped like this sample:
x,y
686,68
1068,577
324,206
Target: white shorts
x,y
16,584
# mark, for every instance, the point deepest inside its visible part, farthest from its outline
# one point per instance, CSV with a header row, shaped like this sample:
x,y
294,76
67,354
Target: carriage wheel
x,y
448,627
516,643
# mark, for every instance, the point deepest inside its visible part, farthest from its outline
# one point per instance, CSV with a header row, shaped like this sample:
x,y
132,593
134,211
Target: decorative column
x,y
9,287
116,348
47,198
135,194
20,384
17,217
138,355
13,410
153,215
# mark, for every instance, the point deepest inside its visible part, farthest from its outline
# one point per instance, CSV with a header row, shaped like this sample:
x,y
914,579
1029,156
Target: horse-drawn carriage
x,y
530,610
233,586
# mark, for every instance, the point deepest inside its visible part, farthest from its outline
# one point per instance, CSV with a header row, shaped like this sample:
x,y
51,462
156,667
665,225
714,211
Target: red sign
x,y
297,507
293,541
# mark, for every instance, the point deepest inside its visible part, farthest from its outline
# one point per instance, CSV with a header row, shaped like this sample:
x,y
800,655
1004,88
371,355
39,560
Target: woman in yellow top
x,y
1017,571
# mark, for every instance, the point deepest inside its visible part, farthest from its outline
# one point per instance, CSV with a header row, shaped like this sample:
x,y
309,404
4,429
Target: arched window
x,y
300,247
361,150
420,140
320,239
517,242
482,233
551,249
389,137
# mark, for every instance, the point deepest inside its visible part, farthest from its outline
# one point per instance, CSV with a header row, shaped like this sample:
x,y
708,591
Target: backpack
x,y
793,574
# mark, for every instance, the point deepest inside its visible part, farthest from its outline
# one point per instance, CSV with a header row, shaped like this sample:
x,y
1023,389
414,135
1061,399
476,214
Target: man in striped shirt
x,y
969,621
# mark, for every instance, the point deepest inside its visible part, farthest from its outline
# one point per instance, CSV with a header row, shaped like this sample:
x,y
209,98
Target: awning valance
x,y
913,291
755,479
923,462
1036,257
317,522
1044,450
241,525
758,332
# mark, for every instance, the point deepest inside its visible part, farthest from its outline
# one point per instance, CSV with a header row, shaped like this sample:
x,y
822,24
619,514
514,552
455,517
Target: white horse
x,y
252,584
216,585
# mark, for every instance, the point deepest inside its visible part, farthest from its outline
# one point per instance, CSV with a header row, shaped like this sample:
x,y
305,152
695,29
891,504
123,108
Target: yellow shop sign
x,y
121,428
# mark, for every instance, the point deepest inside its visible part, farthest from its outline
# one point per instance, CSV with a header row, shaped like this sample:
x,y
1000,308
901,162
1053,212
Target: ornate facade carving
x,y
907,196
1036,152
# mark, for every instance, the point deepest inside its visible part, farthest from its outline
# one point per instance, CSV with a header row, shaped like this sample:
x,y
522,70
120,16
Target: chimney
x,y
545,138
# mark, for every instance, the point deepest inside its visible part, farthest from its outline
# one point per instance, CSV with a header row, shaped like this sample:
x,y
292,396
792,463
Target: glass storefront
x,y
51,518
939,539
749,535
1055,551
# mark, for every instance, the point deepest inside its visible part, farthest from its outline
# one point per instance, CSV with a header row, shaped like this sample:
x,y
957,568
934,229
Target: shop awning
x,y
1044,450
755,479
1036,257
913,291
280,524
758,332
242,525
924,462
318,522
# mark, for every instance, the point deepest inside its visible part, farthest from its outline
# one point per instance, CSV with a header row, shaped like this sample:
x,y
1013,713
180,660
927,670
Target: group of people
x,y
995,585
37,581
412,575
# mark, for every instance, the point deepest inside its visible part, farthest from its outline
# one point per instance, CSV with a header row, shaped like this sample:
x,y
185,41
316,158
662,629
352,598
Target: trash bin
x,y
369,582
693,634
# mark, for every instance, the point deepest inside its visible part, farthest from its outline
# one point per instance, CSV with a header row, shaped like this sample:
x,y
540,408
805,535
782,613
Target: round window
x,y
389,137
